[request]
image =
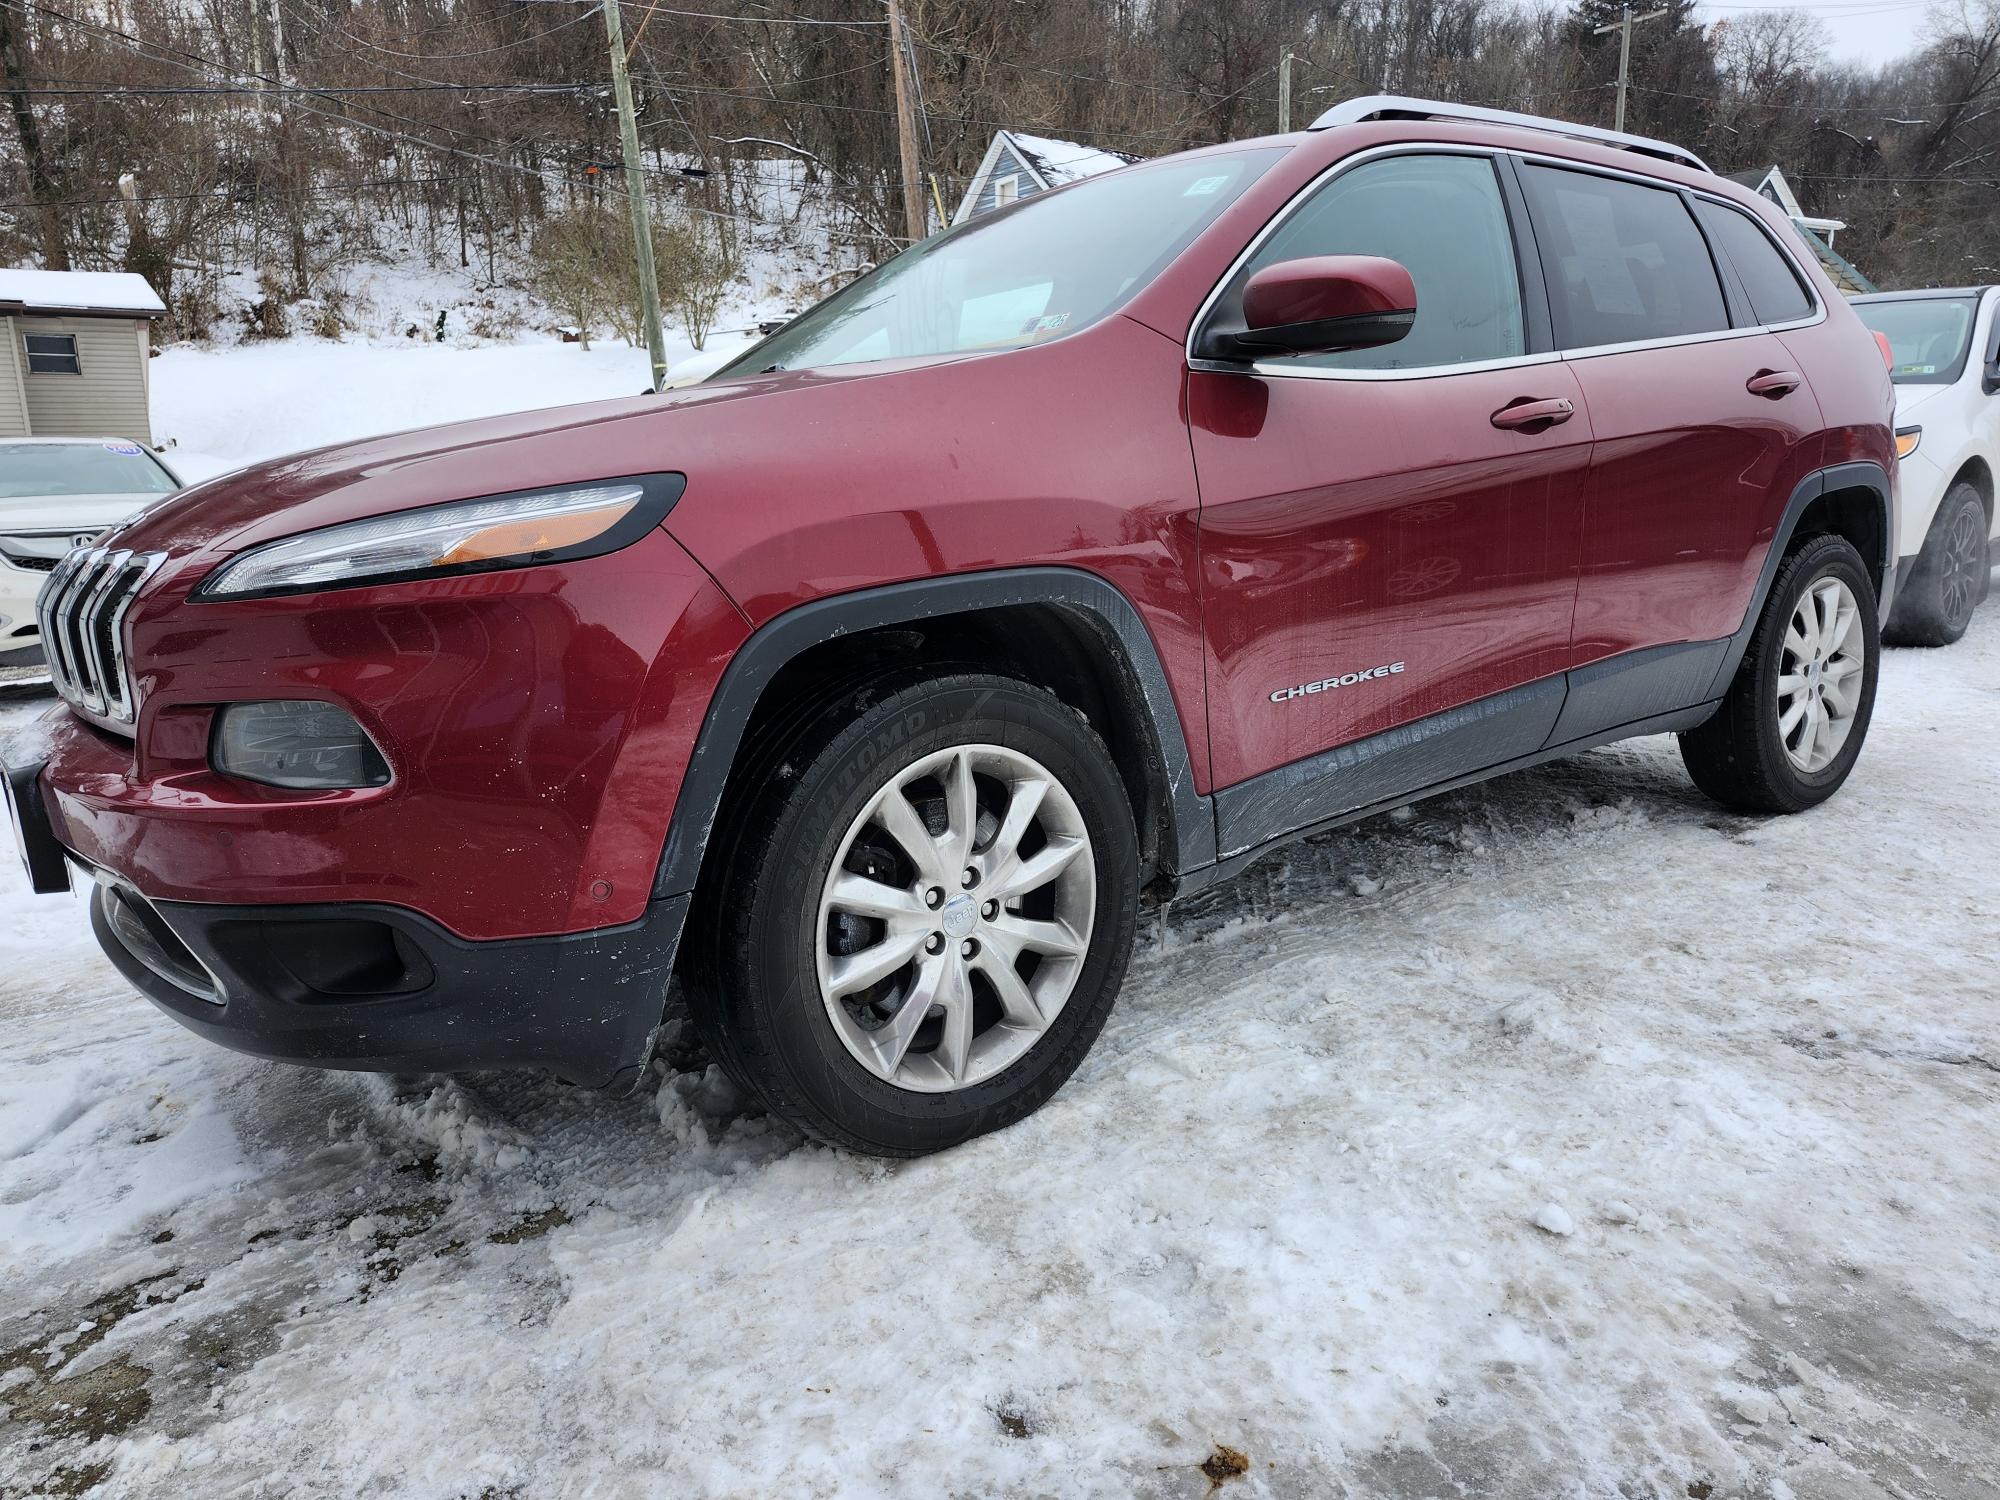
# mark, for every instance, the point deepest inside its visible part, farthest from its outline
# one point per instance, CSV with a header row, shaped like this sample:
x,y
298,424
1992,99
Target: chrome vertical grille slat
x,y
45,599
82,613
96,689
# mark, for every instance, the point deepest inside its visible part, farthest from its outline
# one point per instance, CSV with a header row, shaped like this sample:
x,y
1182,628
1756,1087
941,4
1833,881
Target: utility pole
x,y
915,218
1623,26
41,187
635,195
1284,90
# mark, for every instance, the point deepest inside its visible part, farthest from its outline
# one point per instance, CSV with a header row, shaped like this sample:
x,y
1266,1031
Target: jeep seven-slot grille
x,y
82,613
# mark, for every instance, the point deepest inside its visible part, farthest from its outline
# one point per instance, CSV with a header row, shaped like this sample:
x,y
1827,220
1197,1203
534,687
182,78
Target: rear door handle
x,y
1537,414
1774,383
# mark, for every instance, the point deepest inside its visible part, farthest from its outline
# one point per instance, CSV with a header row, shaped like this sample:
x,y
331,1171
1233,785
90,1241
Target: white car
x,y
56,493
1944,350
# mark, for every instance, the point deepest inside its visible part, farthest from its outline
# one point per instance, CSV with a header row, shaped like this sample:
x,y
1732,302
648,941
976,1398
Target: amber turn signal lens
x,y
536,534
1907,439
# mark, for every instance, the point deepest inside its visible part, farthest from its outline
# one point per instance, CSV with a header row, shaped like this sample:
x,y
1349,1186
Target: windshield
x,y
1928,336
107,468
1052,264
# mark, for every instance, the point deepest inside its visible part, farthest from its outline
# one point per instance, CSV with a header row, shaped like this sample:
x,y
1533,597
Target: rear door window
x,y
1625,263
1776,294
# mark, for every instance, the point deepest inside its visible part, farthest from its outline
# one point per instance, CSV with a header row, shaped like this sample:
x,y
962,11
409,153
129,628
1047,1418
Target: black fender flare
x,y
1852,476
779,640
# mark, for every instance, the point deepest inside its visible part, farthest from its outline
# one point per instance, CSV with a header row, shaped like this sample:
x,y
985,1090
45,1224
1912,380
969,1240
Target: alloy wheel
x,y
1963,552
1821,672
956,918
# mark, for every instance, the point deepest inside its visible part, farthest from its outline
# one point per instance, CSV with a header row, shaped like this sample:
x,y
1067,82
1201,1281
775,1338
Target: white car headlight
x,y
470,536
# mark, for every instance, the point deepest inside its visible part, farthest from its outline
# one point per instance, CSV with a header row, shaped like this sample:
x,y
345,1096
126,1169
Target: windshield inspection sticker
x,y
131,450
1201,187
1047,324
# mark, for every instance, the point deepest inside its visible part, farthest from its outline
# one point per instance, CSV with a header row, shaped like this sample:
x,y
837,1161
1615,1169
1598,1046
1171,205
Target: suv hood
x,y
466,460
78,513
1910,397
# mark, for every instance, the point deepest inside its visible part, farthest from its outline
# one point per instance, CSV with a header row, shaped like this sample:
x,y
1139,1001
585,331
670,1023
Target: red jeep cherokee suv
x,y
1100,544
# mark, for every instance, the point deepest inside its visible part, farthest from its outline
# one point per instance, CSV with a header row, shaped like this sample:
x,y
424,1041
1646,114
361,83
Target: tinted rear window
x,y
1775,291
1624,262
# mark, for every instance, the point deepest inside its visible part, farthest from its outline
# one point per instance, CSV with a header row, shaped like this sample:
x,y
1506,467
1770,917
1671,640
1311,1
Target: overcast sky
x,y
1868,32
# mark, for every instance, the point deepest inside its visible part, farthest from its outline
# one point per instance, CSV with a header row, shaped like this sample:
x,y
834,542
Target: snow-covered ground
x,y
1566,1136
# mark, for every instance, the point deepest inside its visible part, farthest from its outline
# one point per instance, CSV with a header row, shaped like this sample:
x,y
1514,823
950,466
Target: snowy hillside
x,y
422,343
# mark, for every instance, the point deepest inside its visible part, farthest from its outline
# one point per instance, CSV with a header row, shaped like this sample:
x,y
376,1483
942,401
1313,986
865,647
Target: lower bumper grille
x,y
81,610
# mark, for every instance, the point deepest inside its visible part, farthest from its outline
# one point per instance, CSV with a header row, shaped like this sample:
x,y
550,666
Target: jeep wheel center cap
x,y
959,916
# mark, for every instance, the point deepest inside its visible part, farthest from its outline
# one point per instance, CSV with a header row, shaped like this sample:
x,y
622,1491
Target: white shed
x,y
73,360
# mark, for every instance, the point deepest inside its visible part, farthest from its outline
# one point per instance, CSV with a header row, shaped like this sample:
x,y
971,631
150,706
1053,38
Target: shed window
x,y
1006,189
53,354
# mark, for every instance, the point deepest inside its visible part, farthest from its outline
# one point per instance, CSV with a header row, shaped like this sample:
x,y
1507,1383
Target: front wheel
x,y
1795,716
1950,577
930,924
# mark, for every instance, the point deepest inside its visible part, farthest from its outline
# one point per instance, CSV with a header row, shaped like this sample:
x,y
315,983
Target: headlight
x,y
1907,439
470,536
295,743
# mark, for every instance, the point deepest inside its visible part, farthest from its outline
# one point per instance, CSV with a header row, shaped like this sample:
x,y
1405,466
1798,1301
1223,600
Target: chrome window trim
x,y
1278,370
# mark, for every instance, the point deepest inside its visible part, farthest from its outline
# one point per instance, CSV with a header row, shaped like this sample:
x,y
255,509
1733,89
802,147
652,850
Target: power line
x,y
709,15
228,197
525,41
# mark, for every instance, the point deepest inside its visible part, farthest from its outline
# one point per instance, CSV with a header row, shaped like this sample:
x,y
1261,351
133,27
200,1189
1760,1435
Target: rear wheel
x,y
1795,716
1950,577
930,925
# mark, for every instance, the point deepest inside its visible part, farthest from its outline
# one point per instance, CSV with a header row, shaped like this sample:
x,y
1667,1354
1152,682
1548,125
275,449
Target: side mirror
x,y
1318,305
1992,378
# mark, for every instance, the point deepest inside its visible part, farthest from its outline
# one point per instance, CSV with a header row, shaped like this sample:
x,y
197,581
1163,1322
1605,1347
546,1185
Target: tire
x,y
1746,755
816,892
1951,575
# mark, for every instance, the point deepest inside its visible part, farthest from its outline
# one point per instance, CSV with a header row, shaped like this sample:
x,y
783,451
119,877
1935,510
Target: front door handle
x,y
1774,383
1539,415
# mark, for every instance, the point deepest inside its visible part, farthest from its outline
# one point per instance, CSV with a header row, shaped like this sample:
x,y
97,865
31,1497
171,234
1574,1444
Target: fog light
x,y
295,743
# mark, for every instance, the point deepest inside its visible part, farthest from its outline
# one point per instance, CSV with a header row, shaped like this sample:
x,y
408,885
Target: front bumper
x,y
378,988
370,986
18,588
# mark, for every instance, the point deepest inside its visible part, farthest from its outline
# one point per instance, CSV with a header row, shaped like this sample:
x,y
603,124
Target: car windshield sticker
x,y
131,450
1047,324
1201,187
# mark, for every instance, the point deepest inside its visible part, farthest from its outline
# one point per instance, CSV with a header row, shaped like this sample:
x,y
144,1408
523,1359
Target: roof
x,y
1401,107
1781,192
1057,162
99,292
1921,293
54,440
1050,162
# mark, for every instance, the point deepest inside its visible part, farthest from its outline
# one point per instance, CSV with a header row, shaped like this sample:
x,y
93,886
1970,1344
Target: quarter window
x,y
1624,262
1441,217
1775,291
53,354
